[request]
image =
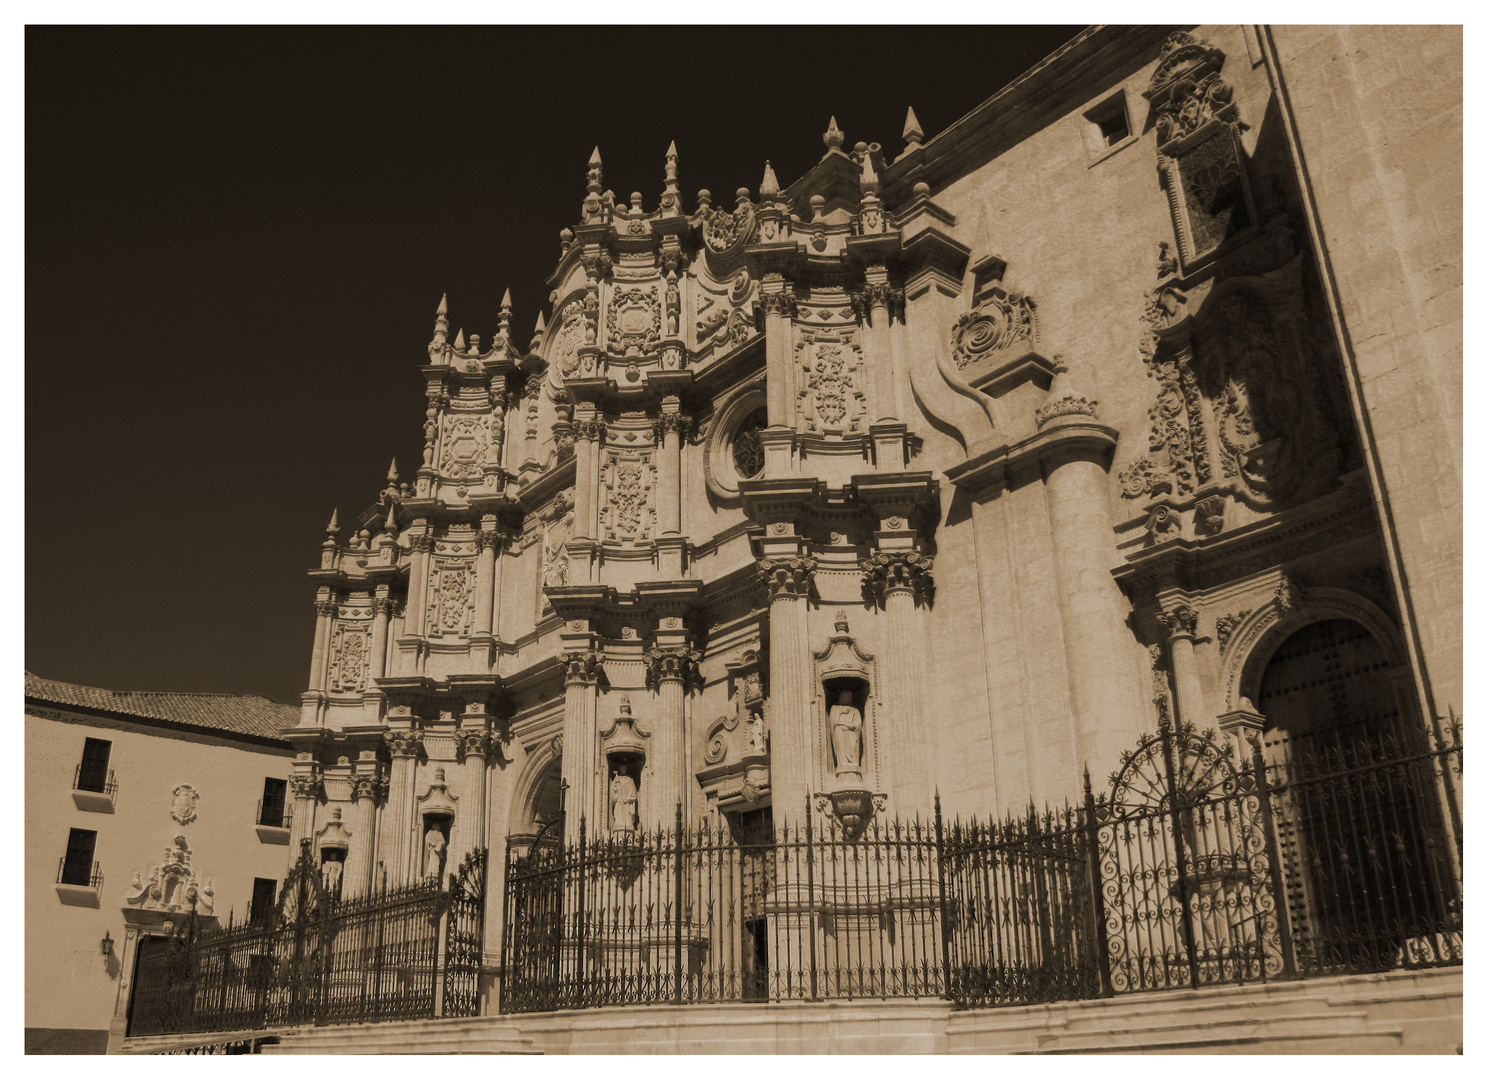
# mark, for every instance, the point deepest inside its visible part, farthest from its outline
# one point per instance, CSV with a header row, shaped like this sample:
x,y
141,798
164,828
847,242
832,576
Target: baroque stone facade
x,y
910,493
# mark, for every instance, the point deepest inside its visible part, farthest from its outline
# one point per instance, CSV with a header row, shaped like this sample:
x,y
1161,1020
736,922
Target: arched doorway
x,y
1359,828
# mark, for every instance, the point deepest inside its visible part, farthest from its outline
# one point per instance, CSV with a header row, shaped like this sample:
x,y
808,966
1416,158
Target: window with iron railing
x,y
93,772
77,866
262,904
272,808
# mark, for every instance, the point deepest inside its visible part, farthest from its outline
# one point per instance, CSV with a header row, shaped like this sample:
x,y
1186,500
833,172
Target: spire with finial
x,y
506,314
833,136
596,173
913,135
460,340
332,527
769,186
539,333
1063,399
868,181
671,194
441,324
392,475
390,526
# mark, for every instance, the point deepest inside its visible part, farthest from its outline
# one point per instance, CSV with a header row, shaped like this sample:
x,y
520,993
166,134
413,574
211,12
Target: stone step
x,y
1170,1029
1322,1042
468,1035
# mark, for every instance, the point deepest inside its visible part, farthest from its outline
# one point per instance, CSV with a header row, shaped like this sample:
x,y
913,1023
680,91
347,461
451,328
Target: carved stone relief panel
x,y
463,451
451,605
628,511
1002,323
555,532
633,322
350,654
832,397
563,355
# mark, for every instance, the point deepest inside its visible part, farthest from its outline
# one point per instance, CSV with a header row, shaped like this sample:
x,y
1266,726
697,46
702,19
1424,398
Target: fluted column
x,y
304,786
397,812
672,668
382,606
788,582
900,579
588,434
418,577
670,426
325,608
1179,621
361,860
880,299
580,739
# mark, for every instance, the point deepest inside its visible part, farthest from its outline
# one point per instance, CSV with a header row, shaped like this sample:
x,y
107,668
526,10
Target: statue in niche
x,y
622,802
433,851
847,735
757,735
331,876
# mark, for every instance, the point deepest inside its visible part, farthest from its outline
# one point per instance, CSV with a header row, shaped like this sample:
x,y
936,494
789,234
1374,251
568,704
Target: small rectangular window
x,y
1113,128
92,772
271,807
262,904
77,864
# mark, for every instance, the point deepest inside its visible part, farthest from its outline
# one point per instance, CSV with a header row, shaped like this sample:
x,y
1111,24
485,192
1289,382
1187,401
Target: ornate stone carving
x,y
1163,523
367,786
452,597
668,422
564,352
472,742
898,571
724,231
488,538
183,804
325,607
633,322
305,784
171,885
402,742
382,605
1063,399
629,512
1290,596
464,449
350,655
1225,625
580,667
556,534
423,543
1000,322
875,295
672,664
1161,694
590,430
786,577
1209,515
779,303
831,398
1179,621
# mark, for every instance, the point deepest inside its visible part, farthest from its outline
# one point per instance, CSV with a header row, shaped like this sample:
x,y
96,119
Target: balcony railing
x,y
95,780
275,815
77,873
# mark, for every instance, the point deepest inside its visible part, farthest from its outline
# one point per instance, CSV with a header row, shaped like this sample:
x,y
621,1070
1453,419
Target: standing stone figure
x,y
331,876
847,735
433,851
622,803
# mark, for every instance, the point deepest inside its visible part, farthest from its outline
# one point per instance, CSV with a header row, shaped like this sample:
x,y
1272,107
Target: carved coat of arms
x,y
183,804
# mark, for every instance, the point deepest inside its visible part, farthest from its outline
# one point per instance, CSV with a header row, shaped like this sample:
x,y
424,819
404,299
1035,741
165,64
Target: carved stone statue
x,y
433,851
331,876
622,803
847,735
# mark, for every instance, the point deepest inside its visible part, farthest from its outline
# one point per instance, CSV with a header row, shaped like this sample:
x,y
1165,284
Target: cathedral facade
x,y
936,475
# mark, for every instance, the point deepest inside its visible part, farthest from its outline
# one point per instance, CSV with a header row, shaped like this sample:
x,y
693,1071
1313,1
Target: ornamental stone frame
x,y
719,471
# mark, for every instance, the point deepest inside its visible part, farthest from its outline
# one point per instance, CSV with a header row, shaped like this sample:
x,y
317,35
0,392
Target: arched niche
x,y
539,793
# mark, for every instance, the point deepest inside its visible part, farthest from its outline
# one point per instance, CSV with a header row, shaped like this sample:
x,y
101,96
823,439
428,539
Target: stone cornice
x,y
991,467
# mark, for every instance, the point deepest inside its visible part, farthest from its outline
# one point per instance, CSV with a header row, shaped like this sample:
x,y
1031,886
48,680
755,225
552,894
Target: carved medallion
x,y
183,804
465,442
564,353
633,325
1000,322
630,478
832,397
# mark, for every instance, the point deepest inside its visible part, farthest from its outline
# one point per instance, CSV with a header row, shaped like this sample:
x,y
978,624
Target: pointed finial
x,y
596,173
441,324
868,181
460,340
390,526
539,333
506,314
393,472
833,136
913,134
332,528
671,195
769,185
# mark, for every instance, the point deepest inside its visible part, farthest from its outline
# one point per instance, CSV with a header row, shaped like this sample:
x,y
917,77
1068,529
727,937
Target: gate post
x,y
1273,856
1177,806
945,922
297,969
579,914
678,850
506,892
810,921
1097,897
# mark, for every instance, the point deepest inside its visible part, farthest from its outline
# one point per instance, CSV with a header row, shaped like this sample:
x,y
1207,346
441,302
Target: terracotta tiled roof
x,y
242,714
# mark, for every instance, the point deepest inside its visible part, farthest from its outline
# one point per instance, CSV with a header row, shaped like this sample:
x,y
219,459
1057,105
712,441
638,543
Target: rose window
x,y
749,455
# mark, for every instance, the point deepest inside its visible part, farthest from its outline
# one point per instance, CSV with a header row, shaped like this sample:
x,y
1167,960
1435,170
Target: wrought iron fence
x,y
396,954
1210,860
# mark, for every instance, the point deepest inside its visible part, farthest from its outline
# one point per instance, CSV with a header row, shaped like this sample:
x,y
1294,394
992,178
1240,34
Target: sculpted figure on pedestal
x,y
622,803
847,734
433,851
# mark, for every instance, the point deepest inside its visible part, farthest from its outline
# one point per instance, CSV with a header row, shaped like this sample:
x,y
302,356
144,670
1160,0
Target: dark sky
x,y
236,239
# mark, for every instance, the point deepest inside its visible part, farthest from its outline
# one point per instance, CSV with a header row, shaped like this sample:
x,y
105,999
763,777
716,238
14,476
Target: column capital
x,y
488,538
781,303
786,577
305,785
402,743
580,667
888,572
382,605
668,422
423,543
672,663
591,429
325,607
472,742
1179,621
371,785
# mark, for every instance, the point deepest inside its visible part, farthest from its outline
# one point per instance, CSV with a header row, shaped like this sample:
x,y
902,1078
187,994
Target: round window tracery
x,y
749,454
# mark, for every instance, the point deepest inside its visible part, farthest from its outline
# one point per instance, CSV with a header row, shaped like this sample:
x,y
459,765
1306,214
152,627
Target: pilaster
x,y
787,583
581,668
900,581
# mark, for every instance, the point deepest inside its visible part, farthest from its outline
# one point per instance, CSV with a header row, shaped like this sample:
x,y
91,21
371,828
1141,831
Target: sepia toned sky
x,y
236,239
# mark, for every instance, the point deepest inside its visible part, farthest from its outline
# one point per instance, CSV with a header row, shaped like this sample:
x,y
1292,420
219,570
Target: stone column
x,y
304,786
788,582
488,540
418,577
901,578
880,299
672,667
780,307
1179,621
588,434
325,608
361,861
1099,655
382,606
669,428
580,740
397,825
471,746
